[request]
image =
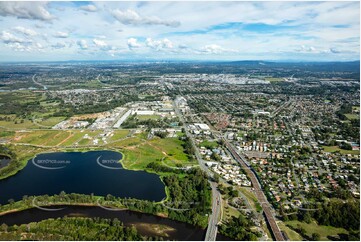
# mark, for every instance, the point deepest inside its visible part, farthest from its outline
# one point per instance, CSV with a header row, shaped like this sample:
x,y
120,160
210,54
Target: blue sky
x,y
305,31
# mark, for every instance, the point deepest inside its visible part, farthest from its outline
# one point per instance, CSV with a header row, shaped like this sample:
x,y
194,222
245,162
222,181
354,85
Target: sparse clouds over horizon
x,y
130,17
180,30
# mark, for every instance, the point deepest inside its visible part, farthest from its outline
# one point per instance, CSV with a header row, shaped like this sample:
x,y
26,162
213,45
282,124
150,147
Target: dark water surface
x,y
97,172
145,223
4,161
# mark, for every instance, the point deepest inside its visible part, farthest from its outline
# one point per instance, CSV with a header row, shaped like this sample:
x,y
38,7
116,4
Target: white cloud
x,y
19,47
89,8
159,44
26,10
130,17
100,43
7,38
60,34
25,31
212,49
59,45
82,44
133,43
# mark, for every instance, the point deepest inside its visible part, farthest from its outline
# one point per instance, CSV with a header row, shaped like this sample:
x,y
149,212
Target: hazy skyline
x,y
313,31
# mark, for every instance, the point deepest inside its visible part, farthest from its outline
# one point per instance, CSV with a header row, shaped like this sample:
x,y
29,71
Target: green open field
x,y
356,108
50,122
139,153
146,117
274,79
119,134
63,138
210,144
16,123
229,212
351,116
292,235
313,227
336,148
251,198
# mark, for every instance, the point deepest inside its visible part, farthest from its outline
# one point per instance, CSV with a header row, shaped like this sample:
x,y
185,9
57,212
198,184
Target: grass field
x,y
229,212
332,149
146,117
17,123
63,138
139,153
251,199
50,122
274,79
119,134
313,227
351,116
210,144
292,235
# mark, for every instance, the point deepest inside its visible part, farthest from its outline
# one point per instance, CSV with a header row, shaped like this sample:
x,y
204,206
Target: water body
x,y
146,224
4,161
97,172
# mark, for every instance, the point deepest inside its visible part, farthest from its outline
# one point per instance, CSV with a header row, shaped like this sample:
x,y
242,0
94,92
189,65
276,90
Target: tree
x,y
316,236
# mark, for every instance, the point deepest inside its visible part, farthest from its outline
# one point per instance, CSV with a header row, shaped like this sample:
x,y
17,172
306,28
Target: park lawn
x,y
146,117
118,134
292,235
139,153
332,149
351,116
229,212
171,146
208,144
313,227
137,158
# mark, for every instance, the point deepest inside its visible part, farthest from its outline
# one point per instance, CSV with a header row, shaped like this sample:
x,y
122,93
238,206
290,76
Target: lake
x,y
146,224
4,161
97,172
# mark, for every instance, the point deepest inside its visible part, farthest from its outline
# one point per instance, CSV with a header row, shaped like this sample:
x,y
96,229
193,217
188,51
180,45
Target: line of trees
x,y
239,228
73,229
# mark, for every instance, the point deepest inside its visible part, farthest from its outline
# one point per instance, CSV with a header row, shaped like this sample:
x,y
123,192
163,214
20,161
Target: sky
x,y
279,31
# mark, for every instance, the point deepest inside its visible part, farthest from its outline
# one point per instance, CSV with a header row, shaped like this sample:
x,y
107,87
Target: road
x,y
277,234
38,83
214,217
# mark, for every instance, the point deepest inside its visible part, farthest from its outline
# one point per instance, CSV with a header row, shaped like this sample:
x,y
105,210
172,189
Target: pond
x,y
4,161
146,224
97,172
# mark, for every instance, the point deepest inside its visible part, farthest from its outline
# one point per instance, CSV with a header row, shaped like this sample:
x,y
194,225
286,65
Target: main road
x,y
277,234
213,219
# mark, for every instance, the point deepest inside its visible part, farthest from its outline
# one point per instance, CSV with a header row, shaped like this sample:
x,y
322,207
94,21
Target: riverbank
x,y
146,224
